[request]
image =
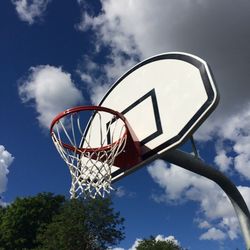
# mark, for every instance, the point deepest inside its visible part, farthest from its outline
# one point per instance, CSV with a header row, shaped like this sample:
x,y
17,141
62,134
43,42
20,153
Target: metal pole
x,y
191,163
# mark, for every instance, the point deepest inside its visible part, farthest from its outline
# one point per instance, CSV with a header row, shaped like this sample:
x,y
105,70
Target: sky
x,y
59,54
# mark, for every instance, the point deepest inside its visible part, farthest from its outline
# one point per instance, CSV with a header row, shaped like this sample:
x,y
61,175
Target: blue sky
x,y
58,54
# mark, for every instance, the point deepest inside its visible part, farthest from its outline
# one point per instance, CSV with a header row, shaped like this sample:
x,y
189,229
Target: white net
x,y
90,152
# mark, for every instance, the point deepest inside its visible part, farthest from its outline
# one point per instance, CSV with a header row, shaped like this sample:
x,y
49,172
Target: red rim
x,y
85,108
88,108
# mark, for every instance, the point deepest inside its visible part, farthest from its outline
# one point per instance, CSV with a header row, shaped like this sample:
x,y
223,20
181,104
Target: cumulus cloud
x,y
223,160
230,224
213,234
120,192
161,237
51,90
135,244
214,203
204,224
94,79
233,138
110,35
5,161
98,79
216,212
30,11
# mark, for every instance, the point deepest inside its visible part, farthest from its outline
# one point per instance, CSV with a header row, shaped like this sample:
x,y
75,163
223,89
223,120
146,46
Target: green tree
x,y
83,225
153,244
2,211
20,221
49,222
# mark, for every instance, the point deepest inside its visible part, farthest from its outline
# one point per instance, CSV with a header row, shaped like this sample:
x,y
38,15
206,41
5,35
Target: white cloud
x,y
97,85
204,224
215,209
120,192
231,137
98,79
234,135
30,11
214,203
242,164
51,90
223,160
111,26
110,34
230,224
213,234
135,244
161,237
5,161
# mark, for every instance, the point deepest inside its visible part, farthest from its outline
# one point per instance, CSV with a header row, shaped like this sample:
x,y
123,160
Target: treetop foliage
x,y
153,244
20,221
50,222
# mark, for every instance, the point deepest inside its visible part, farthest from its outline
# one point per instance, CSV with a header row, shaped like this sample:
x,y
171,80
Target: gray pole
x,y
197,166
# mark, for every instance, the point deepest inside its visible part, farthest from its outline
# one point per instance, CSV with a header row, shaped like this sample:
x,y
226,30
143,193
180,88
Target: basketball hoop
x,y
91,140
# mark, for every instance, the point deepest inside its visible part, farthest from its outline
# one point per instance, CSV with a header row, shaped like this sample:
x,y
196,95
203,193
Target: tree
x,y
21,220
83,225
153,244
104,223
49,222
2,211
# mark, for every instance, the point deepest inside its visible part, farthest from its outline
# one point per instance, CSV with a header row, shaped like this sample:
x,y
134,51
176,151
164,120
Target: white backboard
x,y
164,98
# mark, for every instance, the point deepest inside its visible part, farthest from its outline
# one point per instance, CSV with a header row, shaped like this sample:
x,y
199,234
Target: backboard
x,y
165,99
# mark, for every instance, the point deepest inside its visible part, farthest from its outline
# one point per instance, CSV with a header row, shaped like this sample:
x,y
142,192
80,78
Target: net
x,y
89,141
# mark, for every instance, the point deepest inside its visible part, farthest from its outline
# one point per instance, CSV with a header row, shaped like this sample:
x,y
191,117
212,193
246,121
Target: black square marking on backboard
x,y
151,94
